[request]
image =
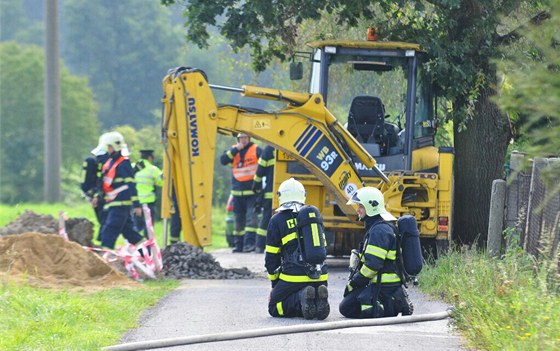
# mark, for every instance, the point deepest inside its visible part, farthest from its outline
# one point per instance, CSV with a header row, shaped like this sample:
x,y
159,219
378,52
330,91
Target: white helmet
x,y
99,149
373,201
115,139
239,135
291,191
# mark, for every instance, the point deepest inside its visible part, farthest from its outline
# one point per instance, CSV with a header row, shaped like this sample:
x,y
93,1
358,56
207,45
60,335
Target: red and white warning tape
x,y
133,260
62,225
149,262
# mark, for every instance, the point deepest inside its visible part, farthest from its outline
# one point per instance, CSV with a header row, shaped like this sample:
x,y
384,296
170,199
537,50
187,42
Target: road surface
x,y
201,307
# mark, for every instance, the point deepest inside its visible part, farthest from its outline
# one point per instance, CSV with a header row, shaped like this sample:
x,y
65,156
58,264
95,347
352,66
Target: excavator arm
x,y
305,130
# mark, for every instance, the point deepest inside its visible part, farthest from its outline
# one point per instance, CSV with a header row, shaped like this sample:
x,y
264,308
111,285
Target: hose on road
x,y
257,333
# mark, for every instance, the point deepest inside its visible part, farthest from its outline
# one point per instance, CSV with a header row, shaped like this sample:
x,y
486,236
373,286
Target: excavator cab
x,y
383,91
382,88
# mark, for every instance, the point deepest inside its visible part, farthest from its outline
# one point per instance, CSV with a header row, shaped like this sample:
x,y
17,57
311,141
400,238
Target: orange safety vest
x,y
244,170
109,174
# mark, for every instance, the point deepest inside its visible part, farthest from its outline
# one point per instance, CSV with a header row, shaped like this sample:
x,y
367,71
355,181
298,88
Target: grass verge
x,y
511,303
42,319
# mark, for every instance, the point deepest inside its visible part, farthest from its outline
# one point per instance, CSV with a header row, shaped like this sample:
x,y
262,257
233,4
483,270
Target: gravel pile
x,y
182,260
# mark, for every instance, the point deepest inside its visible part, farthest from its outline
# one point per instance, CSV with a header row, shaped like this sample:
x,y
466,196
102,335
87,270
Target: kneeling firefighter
x,y
294,257
375,288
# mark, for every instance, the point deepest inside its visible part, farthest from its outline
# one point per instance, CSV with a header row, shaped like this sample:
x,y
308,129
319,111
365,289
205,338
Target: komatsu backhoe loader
x,y
387,140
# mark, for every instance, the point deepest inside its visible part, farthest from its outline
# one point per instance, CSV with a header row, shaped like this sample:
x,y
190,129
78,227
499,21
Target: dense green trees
x,y
21,123
462,38
125,48
531,85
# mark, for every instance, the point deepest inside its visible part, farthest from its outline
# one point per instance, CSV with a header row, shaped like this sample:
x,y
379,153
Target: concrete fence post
x,y
514,199
496,221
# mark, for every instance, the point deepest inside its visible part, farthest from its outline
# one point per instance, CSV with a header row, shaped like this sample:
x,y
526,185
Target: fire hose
x,y
257,333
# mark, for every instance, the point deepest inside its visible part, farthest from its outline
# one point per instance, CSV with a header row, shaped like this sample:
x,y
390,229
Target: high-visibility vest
x,y
109,172
147,179
244,170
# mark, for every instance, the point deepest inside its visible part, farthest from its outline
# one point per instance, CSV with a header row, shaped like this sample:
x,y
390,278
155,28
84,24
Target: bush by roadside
x,y
510,303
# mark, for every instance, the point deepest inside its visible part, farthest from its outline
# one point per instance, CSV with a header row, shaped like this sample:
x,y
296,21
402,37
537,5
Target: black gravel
x,y
182,260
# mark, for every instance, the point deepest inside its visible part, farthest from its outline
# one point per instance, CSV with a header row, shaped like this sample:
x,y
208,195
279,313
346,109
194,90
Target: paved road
x,y
201,307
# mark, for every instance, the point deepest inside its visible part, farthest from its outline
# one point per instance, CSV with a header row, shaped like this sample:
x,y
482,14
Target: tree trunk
x,y
480,151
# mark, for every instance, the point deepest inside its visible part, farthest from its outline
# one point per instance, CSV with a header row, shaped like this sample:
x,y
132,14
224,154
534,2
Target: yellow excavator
x,y
387,140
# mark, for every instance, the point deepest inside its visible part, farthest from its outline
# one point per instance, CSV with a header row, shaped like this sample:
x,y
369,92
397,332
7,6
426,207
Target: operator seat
x,y
366,119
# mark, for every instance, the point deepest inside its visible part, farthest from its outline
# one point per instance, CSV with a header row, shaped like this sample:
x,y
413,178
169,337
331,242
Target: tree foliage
x,y
531,85
125,48
21,122
462,40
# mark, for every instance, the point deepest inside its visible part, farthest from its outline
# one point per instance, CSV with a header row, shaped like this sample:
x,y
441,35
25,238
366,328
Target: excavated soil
x,y
32,251
49,261
79,230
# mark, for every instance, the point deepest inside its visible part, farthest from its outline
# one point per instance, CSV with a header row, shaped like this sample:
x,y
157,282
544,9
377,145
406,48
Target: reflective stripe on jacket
x,y
282,242
244,169
146,180
380,254
118,182
266,170
246,157
109,172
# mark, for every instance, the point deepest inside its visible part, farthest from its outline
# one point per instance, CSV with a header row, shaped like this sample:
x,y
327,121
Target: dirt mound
x,y
79,230
49,261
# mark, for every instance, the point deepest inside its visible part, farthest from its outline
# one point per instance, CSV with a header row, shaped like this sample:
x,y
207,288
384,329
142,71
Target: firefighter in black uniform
x,y
294,293
265,171
244,158
91,184
375,287
119,189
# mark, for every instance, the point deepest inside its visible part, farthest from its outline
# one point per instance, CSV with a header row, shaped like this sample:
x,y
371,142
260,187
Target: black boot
x,y
238,244
249,242
322,302
307,301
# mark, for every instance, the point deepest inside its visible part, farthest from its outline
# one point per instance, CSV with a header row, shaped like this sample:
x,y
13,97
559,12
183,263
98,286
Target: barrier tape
x,y
154,253
150,264
62,225
133,261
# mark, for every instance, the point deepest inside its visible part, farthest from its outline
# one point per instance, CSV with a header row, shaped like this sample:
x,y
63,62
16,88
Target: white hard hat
x,y
115,139
100,148
373,201
291,191
239,135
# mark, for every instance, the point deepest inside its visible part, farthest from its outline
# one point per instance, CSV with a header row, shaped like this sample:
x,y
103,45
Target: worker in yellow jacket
x,y
147,177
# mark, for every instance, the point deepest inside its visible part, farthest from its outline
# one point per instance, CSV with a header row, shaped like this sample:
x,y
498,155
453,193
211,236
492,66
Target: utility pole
x,y
52,141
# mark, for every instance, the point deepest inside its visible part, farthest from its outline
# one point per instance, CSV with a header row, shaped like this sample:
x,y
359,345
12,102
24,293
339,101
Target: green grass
x,y
510,303
42,319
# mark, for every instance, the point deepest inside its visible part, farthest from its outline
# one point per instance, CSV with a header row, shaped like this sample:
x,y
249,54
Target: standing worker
x,y
175,226
147,177
264,196
91,184
243,157
375,287
119,189
296,292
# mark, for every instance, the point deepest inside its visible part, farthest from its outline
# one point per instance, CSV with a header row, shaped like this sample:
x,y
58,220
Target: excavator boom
x,y
304,130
